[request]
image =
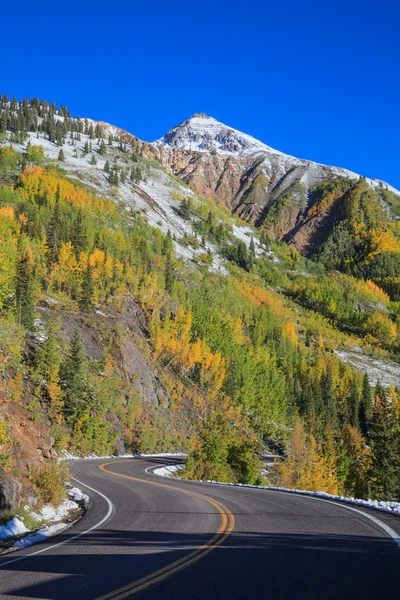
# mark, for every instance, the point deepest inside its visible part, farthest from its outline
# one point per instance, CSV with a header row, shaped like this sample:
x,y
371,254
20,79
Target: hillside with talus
x,y
203,294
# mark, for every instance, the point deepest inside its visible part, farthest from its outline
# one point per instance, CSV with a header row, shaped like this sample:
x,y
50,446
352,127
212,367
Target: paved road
x,y
156,538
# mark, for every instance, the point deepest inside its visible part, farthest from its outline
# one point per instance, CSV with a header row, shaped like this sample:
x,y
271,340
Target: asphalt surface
x,y
169,539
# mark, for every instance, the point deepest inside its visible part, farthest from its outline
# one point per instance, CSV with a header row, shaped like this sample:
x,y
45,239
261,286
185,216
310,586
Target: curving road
x,y
154,538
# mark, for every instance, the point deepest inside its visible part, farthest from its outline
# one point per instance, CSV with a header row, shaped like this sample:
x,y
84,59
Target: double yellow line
x,y
225,528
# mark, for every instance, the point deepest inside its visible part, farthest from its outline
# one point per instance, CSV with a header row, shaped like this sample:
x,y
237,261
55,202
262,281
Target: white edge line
x,y
391,532
153,467
74,537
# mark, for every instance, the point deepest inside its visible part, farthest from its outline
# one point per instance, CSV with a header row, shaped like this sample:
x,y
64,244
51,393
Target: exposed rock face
x,y
266,192
10,492
262,185
31,445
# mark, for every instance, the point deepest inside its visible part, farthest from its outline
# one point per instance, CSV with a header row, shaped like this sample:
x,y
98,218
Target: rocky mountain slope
x,y
266,187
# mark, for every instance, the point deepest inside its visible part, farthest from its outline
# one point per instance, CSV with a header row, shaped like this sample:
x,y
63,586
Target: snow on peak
x,y
203,133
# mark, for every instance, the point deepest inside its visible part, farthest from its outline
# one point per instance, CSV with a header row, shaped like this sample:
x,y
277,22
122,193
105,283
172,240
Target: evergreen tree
x,y
55,229
25,311
252,250
242,258
169,273
113,178
93,160
74,380
87,289
79,233
185,209
168,244
47,367
61,156
365,407
107,167
264,240
327,395
384,434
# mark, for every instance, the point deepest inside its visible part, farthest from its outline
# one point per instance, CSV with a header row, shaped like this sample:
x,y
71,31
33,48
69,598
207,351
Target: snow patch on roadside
x,y
14,527
53,519
77,495
167,471
40,535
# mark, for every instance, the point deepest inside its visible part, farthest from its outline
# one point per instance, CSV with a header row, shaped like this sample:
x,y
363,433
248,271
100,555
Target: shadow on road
x,y
247,565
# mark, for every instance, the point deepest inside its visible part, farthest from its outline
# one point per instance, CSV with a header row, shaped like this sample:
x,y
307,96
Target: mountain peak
x,y
203,133
201,116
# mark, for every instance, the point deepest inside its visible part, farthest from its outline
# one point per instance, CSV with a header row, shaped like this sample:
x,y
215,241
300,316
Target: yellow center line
x,y
224,530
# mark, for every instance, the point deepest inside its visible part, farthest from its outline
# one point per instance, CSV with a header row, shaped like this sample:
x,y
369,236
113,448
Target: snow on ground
x,y
167,471
385,371
13,527
39,536
155,197
382,505
77,495
50,513
53,519
202,133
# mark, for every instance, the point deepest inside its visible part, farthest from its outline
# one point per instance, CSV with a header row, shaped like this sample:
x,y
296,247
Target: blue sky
x,y
319,80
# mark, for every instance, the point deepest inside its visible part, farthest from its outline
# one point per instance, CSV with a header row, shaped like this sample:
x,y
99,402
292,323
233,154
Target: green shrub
x,y
49,482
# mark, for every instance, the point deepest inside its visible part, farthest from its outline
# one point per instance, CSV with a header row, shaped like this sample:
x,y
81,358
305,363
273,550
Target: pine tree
x,y
264,240
169,273
61,155
252,249
384,434
79,233
87,289
185,209
242,258
168,244
74,380
354,405
25,311
365,407
55,229
106,168
93,160
329,415
113,178
47,366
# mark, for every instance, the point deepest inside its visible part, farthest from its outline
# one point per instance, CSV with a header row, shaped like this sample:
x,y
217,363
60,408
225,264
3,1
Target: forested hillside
x,y
132,325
